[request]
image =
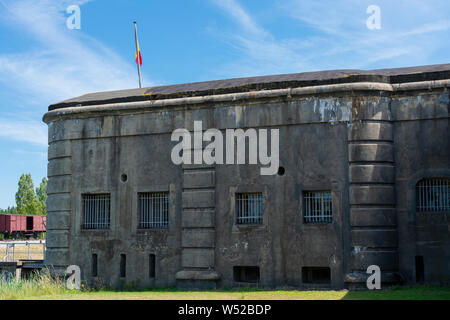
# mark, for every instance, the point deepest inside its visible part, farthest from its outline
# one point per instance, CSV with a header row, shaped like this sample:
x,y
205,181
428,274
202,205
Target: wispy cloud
x,y
30,131
63,63
333,34
233,8
57,64
260,52
39,154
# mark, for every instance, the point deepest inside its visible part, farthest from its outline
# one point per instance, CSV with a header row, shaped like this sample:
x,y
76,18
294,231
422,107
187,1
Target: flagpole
x,y
137,54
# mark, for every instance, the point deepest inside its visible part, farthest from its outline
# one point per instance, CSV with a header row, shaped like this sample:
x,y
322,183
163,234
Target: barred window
x,y
318,207
249,208
96,211
154,210
433,194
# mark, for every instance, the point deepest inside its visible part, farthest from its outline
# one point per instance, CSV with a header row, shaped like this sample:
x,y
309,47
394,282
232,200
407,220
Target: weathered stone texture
x,y
371,152
366,138
198,199
197,258
58,167
58,220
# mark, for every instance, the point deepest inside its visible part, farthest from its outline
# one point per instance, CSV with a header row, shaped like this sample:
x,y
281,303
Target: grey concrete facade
x,y
368,141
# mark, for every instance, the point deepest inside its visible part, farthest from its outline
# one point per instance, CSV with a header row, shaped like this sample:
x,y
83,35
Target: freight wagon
x,y
27,225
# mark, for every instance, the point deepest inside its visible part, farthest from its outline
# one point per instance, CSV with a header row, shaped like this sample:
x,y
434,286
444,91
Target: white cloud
x,y
58,64
29,131
39,154
241,16
262,54
333,35
65,63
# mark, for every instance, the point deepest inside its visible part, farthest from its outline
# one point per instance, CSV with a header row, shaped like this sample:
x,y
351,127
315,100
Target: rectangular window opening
x,y
94,265
316,275
96,211
152,266
433,195
123,265
420,269
317,207
246,274
249,209
154,210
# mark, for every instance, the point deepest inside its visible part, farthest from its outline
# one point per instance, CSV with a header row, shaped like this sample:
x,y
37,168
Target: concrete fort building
x,y
362,179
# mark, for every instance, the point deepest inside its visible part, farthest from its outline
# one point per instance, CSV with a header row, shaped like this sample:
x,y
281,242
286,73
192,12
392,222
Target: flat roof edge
x,y
346,87
242,85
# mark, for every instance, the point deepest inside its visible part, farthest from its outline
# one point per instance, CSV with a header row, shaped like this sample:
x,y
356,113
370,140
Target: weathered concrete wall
x,y
102,163
314,157
422,150
59,205
369,147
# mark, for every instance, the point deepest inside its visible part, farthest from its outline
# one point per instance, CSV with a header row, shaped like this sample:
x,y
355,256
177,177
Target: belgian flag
x,y
138,53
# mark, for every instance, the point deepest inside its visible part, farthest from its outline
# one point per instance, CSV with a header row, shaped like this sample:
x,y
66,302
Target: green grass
x,y
412,293
42,286
39,284
402,293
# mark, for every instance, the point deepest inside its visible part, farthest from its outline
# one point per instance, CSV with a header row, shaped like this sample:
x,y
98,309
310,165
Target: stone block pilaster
x,y
373,223
59,173
198,228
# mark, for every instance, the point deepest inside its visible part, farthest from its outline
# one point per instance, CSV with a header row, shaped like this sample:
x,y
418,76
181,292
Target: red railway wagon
x,y
26,224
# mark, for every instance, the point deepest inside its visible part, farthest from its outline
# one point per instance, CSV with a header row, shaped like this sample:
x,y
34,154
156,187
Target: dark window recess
x,y
246,274
420,269
94,265
151,265
123,266
316,275
29,223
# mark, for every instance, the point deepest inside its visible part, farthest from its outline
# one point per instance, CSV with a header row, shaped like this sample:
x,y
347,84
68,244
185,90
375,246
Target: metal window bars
x,y
433,195
154,210
318,207
96,211
249,208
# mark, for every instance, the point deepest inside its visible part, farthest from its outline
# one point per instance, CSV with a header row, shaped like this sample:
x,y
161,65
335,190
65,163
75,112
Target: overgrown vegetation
x,y
39,284
29,200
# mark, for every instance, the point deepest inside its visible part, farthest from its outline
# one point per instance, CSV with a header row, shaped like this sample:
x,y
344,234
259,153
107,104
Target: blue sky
x,y
42,61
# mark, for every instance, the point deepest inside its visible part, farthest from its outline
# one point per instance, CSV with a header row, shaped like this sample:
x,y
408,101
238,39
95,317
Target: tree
x,y
41,197
9,210
25,196
28,199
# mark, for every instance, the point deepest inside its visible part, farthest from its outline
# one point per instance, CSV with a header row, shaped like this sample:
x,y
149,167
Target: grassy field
x,y
414,293
43,287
